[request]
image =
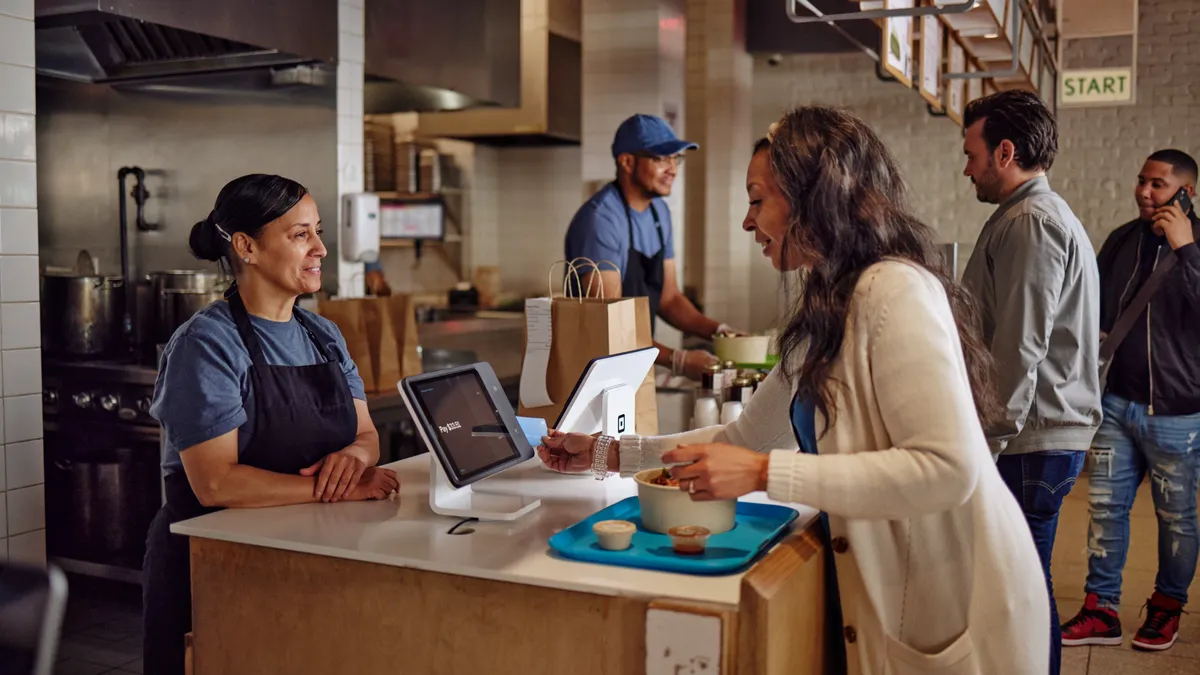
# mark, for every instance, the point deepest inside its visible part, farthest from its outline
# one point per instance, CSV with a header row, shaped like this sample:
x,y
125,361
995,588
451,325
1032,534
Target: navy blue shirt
x,y
600,230
203,388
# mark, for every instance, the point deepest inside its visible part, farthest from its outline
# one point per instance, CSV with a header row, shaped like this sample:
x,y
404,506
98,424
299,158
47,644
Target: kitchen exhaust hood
x,y
130,41
433,55
549,111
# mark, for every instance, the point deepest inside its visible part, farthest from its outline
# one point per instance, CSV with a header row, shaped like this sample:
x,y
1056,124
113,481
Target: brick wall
x,y
1100,149
22,493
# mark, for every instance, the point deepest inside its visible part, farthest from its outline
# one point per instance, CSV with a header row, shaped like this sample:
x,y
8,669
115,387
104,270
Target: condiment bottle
x,y
705,413
730,411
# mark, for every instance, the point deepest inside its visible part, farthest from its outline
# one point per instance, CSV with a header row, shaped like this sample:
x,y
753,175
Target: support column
x,y
718,103
351,57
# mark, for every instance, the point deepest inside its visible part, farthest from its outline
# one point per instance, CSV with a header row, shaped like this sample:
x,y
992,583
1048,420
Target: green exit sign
x,y
1095,86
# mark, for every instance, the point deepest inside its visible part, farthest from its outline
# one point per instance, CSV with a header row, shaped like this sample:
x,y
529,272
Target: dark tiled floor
x,y
102,632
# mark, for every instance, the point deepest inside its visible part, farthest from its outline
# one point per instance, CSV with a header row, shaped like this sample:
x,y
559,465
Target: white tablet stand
x,y
605,399
469,501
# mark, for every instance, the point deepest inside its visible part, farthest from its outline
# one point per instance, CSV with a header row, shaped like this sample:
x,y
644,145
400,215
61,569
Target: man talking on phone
x,y
1151,405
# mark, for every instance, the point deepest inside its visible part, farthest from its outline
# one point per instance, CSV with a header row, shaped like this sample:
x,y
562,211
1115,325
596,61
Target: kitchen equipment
x,y
164,319
749,349
666,506
358,237
82,315
182,304
109,516
758,525
102,452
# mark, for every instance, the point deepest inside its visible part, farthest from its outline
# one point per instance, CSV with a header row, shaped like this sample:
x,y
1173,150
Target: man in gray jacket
x,y
1034,274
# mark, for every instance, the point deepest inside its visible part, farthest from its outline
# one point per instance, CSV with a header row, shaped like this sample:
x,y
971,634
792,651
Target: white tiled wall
x,y
539,192
633,62
22,499
351,38
719,78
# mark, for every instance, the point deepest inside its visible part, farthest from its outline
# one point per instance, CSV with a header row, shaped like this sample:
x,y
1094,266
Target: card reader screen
x,y
466,422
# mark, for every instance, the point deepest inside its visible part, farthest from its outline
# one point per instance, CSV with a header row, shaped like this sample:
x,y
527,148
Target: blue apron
x,y
804,426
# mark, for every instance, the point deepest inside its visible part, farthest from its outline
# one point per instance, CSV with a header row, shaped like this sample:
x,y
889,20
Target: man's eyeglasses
x,y
659,160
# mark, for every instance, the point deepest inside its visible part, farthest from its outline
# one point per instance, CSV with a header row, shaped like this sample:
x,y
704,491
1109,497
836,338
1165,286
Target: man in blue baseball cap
x,y
628,224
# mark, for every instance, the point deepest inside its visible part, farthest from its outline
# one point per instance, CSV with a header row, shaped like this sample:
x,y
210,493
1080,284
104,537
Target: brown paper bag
x,y
385,357
581,330
349,317
407,343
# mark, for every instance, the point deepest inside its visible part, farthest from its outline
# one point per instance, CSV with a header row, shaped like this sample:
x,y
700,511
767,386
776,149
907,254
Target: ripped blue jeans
x,y
1130,445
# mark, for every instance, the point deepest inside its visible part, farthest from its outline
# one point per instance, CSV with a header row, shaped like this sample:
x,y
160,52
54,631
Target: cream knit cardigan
x,y
941,575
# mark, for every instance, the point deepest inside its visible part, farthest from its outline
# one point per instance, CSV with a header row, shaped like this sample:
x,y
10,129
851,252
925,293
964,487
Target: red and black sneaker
x,y
1092,625
1162,624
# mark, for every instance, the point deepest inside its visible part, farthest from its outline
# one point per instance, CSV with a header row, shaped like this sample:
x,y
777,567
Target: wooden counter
x,y
381,587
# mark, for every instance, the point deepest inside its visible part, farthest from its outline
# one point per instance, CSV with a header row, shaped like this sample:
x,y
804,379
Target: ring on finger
x,y
692,486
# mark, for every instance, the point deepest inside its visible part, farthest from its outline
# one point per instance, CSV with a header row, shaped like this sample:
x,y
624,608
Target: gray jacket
x,y
1034,273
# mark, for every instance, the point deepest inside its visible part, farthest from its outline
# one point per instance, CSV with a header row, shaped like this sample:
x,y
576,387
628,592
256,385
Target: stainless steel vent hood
x,y
430,55
116,41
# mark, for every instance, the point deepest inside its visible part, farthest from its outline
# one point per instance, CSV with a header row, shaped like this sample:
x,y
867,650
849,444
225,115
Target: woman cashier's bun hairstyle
x,y
246,205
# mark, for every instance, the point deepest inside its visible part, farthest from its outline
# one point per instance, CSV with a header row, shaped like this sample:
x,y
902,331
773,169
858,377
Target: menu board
x,y
956,89
898,43
932,34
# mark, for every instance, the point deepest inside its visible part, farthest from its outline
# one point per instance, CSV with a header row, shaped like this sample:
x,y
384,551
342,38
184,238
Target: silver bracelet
x,y
600,457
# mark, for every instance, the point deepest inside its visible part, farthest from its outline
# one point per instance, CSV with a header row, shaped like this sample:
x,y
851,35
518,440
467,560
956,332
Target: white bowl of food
x,y
748,349
665,506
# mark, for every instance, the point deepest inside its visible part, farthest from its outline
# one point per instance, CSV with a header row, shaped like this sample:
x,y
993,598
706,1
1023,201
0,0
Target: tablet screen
x,y
466,422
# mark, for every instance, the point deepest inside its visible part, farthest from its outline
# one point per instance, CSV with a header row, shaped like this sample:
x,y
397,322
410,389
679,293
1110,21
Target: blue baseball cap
x,y
648,134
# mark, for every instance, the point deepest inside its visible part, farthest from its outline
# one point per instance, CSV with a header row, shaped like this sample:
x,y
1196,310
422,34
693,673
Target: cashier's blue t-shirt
x,y
203,389
600,231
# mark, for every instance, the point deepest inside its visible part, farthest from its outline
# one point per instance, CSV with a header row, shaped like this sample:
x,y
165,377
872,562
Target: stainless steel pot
x,y
165,318
182,303
111,507
82,315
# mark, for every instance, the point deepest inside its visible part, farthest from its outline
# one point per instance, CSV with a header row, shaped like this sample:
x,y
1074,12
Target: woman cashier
x,y
259,401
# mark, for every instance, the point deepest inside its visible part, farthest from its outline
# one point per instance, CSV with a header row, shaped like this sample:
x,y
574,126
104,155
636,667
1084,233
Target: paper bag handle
x,y
578,265
571,271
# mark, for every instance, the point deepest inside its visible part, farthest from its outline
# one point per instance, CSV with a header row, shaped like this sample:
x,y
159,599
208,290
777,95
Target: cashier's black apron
x,y
805,429
301,414
644,274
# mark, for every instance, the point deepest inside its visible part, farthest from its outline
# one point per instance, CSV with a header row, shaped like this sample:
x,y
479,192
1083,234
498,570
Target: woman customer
x,y
884,372
259,400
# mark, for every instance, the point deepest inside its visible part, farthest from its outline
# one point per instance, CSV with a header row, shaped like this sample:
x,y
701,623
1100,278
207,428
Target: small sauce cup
x,y
689,539
614,535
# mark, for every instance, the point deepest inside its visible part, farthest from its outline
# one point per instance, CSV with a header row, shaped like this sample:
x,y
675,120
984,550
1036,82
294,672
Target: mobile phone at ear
x,y
1183,200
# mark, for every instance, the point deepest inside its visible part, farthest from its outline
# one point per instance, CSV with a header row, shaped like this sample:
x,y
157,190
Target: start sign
x,y
1101,85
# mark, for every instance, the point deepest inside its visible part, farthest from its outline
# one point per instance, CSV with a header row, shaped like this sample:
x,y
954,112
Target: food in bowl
x,y
742,349
667,506
614,535
689,539
664,478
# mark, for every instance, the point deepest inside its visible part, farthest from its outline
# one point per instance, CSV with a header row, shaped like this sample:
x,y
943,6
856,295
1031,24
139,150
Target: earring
x,y
246,260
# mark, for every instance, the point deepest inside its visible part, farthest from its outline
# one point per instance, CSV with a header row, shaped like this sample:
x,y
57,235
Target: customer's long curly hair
x,y
849,211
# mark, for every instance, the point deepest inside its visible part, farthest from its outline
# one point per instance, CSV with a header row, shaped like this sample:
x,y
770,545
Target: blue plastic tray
x,y
757,525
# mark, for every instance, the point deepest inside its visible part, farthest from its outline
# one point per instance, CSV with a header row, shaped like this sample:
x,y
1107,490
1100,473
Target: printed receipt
x,y
537,353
